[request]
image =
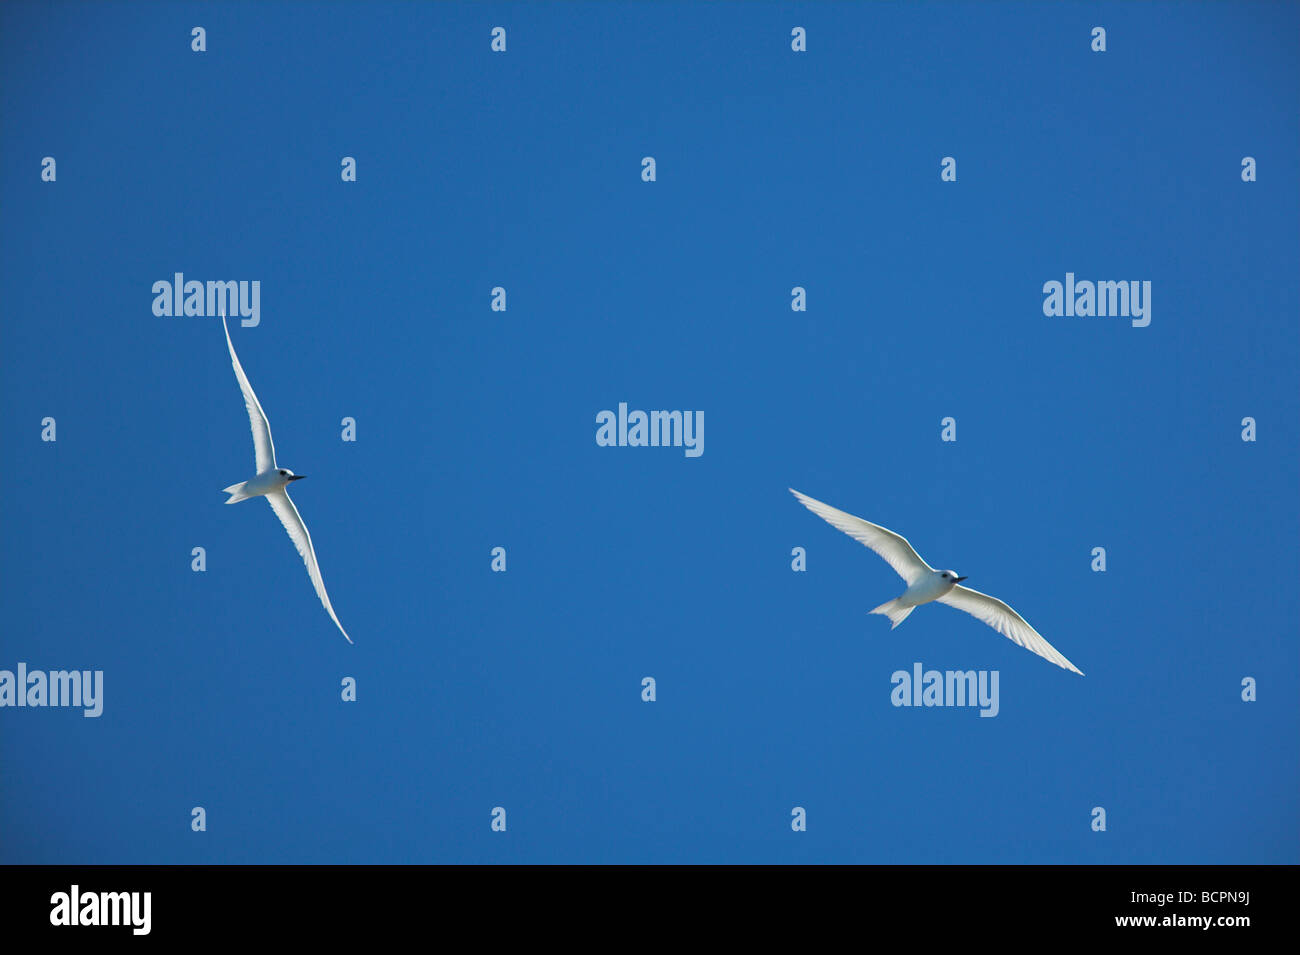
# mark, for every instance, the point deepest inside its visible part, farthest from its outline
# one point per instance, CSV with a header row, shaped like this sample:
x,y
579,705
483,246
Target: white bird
x,y
925,584
272,483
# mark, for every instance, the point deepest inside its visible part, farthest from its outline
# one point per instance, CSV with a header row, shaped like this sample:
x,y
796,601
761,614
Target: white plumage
x,y
271,482
925,584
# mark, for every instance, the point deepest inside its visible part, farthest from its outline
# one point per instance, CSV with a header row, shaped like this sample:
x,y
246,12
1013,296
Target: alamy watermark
x,y
83,688
208,300
76,907
1084,298
654,429
923,687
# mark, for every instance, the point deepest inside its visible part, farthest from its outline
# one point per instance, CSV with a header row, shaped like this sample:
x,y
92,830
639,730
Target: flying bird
x,y
925,584
272,482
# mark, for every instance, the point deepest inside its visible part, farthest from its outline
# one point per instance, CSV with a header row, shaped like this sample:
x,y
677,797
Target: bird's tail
x,y
236,492
895,611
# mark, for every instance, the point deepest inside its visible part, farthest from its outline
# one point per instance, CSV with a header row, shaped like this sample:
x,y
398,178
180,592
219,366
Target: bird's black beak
x,y
299,477
957,580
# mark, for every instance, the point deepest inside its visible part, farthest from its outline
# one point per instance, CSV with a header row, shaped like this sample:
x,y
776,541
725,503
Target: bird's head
x,y
950,577
286,476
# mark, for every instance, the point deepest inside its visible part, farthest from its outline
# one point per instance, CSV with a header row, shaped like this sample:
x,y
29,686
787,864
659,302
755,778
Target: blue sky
x,y
476,429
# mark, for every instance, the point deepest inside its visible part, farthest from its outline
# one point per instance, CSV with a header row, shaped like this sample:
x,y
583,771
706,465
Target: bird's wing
x,y
262,445
292,521
1005,621
894,548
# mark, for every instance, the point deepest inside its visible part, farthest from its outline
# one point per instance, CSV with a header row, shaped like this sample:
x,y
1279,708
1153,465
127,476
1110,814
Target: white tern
x,y
925,584
272,482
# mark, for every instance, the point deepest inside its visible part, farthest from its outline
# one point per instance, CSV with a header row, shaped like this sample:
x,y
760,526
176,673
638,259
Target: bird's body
x,y
267,482
272,482
923,590
926,585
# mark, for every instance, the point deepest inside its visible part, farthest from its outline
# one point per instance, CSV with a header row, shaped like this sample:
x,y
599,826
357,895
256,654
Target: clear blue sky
x,y
476,429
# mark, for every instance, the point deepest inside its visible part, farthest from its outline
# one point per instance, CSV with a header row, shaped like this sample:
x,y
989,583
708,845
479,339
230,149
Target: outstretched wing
x,y
1006,622
262,445
894,548
292,521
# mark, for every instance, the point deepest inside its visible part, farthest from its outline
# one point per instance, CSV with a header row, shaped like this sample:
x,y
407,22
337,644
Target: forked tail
x,y
894,611
236,492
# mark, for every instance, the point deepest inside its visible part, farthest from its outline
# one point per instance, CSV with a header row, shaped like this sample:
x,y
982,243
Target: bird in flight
x,y
272,482
925,584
